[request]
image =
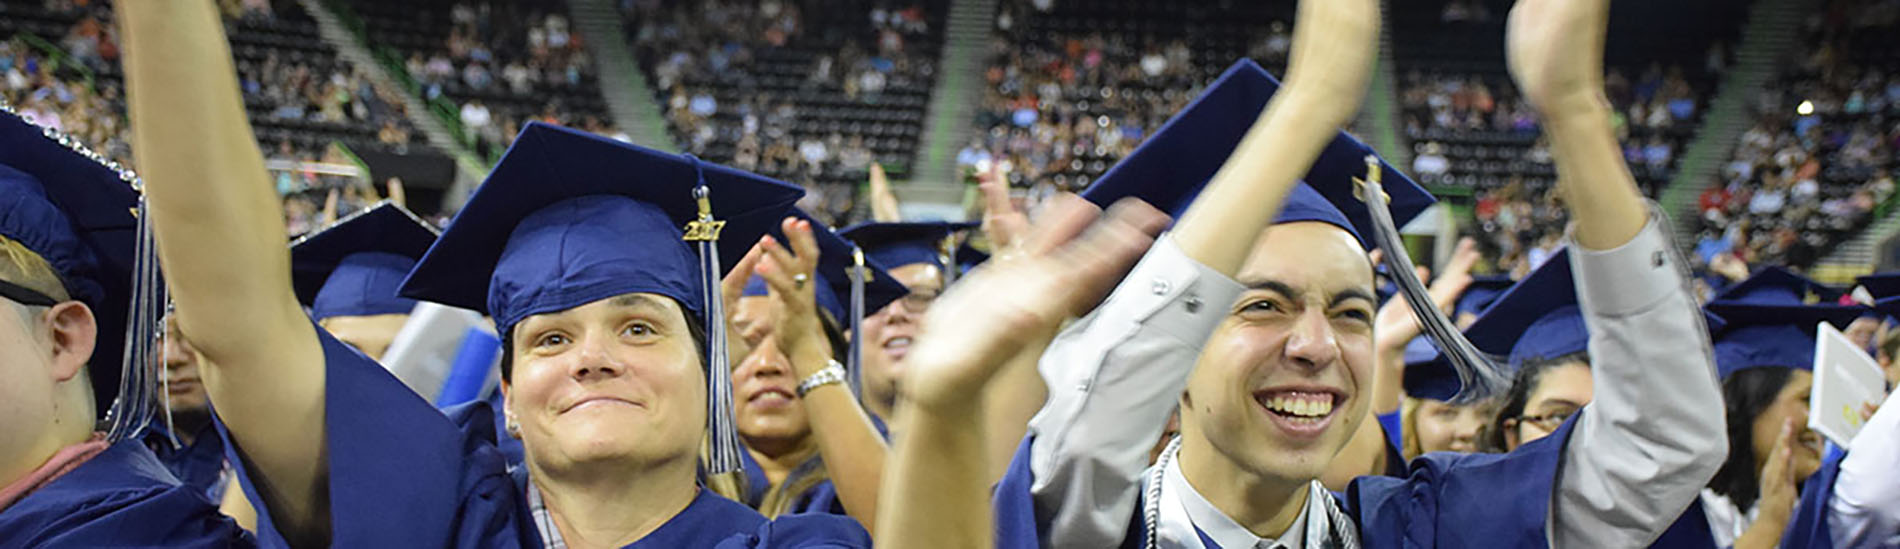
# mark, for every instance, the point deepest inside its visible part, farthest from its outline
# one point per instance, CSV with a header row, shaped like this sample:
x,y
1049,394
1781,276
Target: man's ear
x,y
74,333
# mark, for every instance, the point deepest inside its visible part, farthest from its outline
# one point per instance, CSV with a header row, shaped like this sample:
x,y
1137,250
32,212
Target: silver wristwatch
x,y
833,373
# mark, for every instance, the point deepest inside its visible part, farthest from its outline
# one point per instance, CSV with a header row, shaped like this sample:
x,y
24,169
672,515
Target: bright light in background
x,y
1805,108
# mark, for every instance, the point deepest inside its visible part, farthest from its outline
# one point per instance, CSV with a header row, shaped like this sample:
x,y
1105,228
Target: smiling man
x,y
1254,317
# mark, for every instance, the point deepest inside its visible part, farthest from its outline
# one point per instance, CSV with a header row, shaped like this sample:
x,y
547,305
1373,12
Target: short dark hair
x,y
1512,405
1745,394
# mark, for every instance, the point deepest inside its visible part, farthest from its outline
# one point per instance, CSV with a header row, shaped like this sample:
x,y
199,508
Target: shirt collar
x,y
1222,529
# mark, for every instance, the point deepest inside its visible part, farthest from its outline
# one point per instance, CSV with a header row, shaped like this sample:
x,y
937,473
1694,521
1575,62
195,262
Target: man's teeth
x,y
897,342
1302,404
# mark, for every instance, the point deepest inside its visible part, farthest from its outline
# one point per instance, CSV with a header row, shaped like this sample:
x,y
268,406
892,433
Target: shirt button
x,y
1161,286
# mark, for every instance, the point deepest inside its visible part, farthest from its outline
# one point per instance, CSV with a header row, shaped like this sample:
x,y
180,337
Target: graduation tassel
x,y
140,391
1479,375
165,377
724,442
860,275
947,255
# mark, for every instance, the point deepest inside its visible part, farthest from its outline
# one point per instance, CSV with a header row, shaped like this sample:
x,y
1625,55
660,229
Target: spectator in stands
x,y
1430,161
855,158
973,155
476,117
813,152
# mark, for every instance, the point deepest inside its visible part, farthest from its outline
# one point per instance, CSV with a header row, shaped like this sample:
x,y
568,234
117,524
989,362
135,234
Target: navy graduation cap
x,y
1483,291
568,218
1775,294
1536,319
898,244
843,297
968,257
1777,336
78,211
1427,373
356,266
836,258
1880,285
1170,168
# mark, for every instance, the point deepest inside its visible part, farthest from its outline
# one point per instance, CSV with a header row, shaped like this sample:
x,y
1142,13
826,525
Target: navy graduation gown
x,y
510,447
1393,425
820,498
1809,527
1690,531
402,474
199,465
122,497
714,521
1447,500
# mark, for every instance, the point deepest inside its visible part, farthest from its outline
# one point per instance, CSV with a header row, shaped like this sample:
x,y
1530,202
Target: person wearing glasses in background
x,y
914,252
67,237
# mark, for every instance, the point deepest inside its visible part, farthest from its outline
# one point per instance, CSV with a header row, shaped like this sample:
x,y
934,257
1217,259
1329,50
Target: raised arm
x,y
936,493
1334,44
883,201
1017,390
1115,375
222,248
1555,51
1654,433
850,446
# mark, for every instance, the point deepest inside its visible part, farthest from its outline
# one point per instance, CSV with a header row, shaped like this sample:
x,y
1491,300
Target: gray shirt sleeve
x,y
1113,378
1655,433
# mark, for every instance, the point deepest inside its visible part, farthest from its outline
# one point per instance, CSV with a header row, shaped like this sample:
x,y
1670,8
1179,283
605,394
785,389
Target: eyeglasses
x,y
25,296
1547,422
919,302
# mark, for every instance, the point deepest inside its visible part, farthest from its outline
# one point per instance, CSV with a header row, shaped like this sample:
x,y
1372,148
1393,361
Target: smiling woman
x,y
574,245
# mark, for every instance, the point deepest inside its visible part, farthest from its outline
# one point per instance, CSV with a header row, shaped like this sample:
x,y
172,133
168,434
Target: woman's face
x,y
771,418
1559,393
1444,427
1862,331
619,378
1790,406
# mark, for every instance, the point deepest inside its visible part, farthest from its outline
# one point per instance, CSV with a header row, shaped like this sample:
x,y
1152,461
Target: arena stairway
x,y
1773,30
950,116
470,170
622,83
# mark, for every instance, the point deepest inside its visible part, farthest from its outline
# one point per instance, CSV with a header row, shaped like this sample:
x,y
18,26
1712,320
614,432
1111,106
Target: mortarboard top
x,y
968,257
1427,373
1770,335
1483,291
1889,306
1172,167
898,244
568,218
356,266
1536,319
1880,285
1774,295
835,260
77,211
